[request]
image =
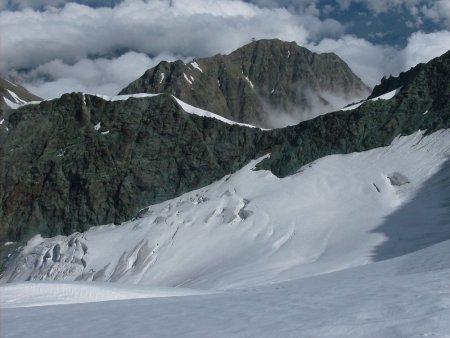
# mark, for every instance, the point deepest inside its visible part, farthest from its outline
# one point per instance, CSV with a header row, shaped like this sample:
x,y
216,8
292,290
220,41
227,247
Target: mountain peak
x,y
264,83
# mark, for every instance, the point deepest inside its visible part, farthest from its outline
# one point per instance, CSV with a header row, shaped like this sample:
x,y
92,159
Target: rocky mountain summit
x,y
268,83
83,160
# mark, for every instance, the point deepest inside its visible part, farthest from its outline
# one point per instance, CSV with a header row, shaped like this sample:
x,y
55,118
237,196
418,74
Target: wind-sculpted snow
x,y
253,228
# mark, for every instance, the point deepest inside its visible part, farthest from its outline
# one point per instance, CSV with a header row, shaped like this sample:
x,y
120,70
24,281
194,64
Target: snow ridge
x,y
386,96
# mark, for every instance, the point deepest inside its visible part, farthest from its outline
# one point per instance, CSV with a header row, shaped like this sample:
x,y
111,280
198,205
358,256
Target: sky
x,y
99,46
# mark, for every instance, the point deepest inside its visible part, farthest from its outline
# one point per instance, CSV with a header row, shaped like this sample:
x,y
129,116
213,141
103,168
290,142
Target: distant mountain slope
x,y
266,83
83,160
12,95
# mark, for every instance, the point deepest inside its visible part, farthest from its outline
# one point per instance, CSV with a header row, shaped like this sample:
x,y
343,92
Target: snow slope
x,y
407,296
52,293
200,112
18,102
351,246
252,228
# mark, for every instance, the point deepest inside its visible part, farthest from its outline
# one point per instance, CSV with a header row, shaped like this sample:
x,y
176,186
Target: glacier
x,y
350,245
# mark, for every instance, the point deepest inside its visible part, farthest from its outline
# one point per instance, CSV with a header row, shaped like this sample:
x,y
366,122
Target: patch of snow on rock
x,y
250,82
16,98
204,113
187,79
196,66
124,97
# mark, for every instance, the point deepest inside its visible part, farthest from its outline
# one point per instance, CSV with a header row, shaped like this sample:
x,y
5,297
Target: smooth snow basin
x,y
404,297
31,294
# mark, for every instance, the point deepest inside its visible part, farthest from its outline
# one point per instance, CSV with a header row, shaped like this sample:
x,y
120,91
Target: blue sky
x,y
55,46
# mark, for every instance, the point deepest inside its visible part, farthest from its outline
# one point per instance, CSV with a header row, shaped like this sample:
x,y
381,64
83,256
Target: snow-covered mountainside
x,y
351,245
252,228
81,160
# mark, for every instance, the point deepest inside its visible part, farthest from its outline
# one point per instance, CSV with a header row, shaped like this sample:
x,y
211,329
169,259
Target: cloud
x,y
42,4
380,6
371,62
97,76
195,28
52,49
438,11
364,58
77,47
423,47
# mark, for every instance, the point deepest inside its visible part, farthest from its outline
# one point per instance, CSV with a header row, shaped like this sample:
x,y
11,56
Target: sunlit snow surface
x,y
51,293
351,245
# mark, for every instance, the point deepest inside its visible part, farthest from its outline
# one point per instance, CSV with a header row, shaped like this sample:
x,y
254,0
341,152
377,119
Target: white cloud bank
x,y
63,49
196,27
371,62
97,76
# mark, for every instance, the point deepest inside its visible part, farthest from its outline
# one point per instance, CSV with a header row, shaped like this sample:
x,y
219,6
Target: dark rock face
x,y
260,83
79,160
59,174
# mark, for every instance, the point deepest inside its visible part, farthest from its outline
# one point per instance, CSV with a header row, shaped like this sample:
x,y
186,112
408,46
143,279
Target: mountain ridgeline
x,y
267,83
80,160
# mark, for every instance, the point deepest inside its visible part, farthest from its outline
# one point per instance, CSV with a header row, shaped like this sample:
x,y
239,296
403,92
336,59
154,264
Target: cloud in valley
x,y
96,76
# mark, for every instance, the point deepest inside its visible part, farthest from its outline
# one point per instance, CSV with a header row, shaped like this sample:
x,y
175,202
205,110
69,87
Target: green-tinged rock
x,y
79,160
